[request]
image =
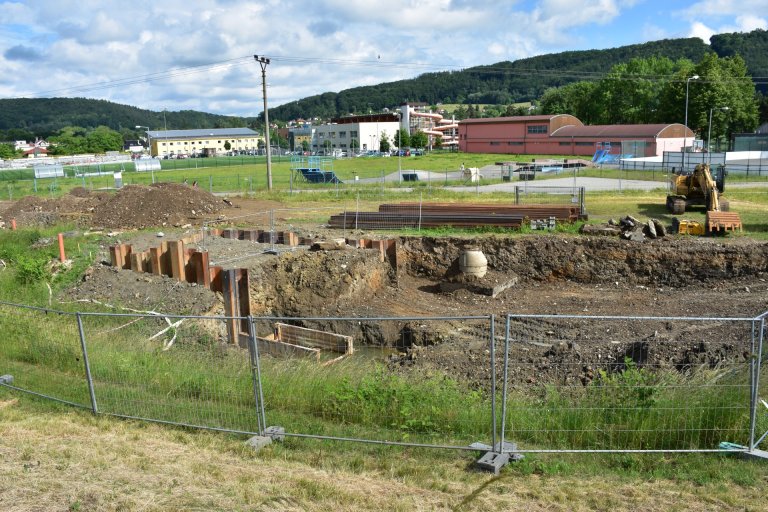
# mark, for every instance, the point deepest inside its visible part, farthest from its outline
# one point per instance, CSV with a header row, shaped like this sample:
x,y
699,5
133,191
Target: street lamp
x,y
709,132
685,135
149,143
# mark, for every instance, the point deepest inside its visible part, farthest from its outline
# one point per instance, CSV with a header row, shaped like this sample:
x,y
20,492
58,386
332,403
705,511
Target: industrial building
x,y
564,134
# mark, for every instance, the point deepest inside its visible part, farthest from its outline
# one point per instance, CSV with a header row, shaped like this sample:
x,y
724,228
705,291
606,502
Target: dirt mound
x,y
160,204
38,211
134,206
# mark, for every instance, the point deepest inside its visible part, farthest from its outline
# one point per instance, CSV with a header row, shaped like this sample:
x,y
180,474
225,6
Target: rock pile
x,y
628,228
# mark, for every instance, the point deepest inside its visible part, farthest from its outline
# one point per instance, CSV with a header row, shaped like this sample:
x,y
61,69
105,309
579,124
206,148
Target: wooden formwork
x,y
313,338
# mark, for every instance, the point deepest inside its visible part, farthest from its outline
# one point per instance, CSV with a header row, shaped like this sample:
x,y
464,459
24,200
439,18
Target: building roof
x,y
512,119
202,133
617,130
367,118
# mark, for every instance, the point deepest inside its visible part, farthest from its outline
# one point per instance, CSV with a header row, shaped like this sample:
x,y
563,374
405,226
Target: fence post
x,y
357,212
517,195
258,392
493,381
504,397
88,376
210,184
755,386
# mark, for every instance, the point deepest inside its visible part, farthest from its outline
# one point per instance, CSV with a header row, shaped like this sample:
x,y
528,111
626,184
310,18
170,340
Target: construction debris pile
x,y
628,228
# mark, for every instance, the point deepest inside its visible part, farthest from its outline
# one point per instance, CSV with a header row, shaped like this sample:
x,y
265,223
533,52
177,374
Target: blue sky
x,y
197,55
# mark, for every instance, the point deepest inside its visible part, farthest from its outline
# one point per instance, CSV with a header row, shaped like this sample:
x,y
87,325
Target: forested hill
x,y
524,79
500,83
45,116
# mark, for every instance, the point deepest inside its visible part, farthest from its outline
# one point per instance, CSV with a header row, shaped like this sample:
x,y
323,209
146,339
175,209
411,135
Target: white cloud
x,y
326,45
701,31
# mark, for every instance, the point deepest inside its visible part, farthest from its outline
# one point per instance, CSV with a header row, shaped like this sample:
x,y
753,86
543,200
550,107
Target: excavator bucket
x,y
723,221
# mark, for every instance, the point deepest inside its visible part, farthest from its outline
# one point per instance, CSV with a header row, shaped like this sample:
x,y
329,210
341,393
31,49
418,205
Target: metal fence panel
x,y
41,350
171,369
380,391
627,384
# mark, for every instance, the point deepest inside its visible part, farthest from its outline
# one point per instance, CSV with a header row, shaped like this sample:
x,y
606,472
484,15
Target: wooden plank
x,y
281,349
314,338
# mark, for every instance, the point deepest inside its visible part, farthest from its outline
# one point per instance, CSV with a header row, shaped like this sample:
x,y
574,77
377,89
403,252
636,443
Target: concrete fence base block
x,y
275,433
259,442
760,455
496,457
6,379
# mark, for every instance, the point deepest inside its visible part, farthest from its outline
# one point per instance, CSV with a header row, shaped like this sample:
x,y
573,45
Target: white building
x,y
355,134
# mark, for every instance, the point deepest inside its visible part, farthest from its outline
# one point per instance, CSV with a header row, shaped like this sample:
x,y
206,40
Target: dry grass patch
x,y
69,460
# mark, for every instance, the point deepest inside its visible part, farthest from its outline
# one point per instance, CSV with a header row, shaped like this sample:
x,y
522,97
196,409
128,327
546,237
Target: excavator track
x,y
723,221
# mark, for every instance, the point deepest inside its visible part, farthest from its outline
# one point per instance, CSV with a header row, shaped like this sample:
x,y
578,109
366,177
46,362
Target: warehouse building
x,y
204,142
564,134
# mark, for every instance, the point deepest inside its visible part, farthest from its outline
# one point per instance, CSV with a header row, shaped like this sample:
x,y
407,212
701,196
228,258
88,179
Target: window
x,y
495,143
537,128
584,143
564,143
515,143
342,135
353,133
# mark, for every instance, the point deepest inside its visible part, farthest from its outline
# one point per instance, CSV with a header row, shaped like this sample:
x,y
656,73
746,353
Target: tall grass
x,y
200,382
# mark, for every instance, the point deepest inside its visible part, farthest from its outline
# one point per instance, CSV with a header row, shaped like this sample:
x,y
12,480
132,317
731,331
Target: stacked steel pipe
x,y
417,215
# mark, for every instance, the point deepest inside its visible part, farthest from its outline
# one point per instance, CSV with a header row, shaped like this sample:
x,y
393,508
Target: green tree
x,y
103,139
402,138
8,151
227,145
354,145
384,142
419,139
305,145
631,92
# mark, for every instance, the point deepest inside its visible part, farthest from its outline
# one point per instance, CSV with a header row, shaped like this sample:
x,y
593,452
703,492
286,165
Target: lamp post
x,y
149,143
709,132
685,135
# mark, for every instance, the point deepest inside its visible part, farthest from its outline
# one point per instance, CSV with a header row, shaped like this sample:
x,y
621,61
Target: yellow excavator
x,y
700,188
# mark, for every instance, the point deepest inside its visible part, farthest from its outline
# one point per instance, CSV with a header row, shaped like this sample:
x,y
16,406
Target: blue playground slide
x,y
598,155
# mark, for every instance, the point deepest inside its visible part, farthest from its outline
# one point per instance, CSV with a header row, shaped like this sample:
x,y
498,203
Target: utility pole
x,y
263,62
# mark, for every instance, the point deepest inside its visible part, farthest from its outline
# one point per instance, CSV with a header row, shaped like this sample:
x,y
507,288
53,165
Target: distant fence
x,y
547,383
744,164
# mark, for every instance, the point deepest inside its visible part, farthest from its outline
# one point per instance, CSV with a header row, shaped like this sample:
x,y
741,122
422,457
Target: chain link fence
x,y
545,382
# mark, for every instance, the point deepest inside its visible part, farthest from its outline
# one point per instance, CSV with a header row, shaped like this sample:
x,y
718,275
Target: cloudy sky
x,y
198,54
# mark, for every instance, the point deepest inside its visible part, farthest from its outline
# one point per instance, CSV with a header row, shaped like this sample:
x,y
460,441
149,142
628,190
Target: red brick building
x,y
564,134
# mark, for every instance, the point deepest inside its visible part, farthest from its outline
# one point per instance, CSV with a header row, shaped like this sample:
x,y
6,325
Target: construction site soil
x,y
544,274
